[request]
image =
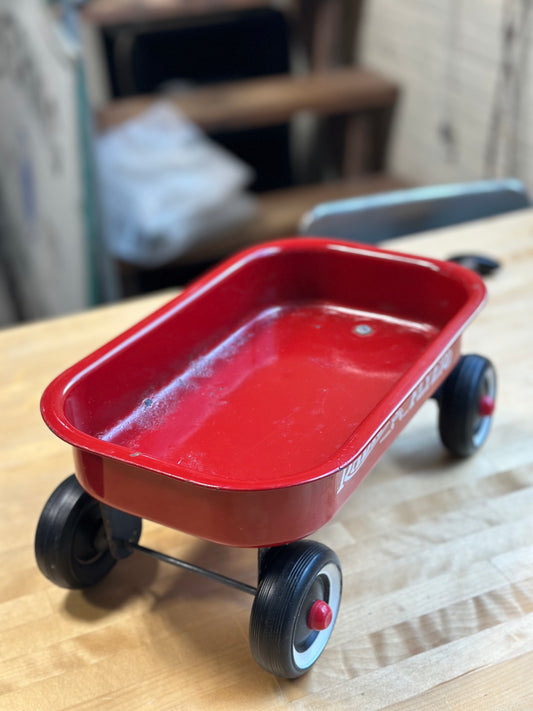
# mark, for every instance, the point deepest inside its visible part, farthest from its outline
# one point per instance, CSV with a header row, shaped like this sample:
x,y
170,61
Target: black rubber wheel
x,y
71,548
294,577
465,405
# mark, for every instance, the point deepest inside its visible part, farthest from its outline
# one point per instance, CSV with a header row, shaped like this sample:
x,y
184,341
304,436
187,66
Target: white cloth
x,y
165,186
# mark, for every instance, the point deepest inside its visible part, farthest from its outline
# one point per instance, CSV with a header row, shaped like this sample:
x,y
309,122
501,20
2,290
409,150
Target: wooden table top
x,y
437,555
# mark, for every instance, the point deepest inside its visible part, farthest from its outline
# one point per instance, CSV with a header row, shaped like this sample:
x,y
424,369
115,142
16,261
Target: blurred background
x,y
141,141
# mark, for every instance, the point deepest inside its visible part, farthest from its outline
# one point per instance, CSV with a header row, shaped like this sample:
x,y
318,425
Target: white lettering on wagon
x,y
411,401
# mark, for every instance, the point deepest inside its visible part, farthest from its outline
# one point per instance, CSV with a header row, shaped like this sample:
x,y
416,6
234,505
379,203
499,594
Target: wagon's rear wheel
x,y
71,547
466,401
295,607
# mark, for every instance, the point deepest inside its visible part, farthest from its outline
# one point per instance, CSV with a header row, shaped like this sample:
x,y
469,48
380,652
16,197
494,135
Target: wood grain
x,y
437,555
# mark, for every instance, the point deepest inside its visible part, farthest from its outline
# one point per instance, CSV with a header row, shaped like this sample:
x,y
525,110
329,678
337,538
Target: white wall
x,y
467,103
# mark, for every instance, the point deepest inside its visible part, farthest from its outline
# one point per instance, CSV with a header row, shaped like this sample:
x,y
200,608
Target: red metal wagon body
x,y
249,408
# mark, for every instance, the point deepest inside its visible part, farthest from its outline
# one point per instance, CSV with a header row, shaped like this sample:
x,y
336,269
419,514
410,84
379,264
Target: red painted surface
x,y
247,409
320,616
486,406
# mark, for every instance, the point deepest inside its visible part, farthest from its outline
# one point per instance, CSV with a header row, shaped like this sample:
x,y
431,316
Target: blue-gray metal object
x,y
374,218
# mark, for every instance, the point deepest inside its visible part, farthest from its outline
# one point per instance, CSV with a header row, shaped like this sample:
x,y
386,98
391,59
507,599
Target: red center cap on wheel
x,y
486,406
320,616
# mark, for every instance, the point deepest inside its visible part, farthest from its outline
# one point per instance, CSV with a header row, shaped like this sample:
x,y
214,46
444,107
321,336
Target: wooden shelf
x,y
112,12
266,101
358,104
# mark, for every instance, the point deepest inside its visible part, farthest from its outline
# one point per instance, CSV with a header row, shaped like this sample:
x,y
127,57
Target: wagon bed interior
x,y
271,368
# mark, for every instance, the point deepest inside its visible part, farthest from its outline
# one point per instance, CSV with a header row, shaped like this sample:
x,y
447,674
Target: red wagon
x,y
248,409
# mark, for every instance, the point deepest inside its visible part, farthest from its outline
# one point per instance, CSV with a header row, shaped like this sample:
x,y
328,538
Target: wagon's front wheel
x,y
466,401
295,607
71,547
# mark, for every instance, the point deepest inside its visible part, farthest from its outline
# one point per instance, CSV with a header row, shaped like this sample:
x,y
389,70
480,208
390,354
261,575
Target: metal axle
x,y
231,582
